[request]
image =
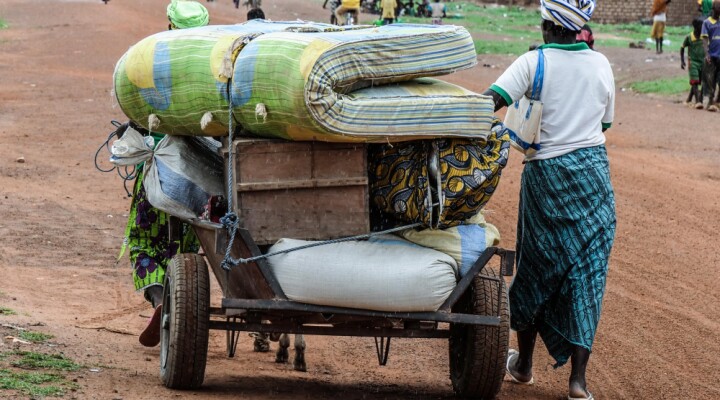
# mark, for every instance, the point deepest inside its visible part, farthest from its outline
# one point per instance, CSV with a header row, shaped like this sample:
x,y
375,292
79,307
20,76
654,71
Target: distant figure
x,y
438,12
710,35
705,7
659,16
388,11
696,57
334,4
255,13
186,14
586,36
347,6
423,9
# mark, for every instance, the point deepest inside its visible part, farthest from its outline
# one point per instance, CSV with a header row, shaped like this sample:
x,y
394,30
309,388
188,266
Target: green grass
x,y
3,24
33,360
7,311
35,337
33,384
47,381
669,86
511,30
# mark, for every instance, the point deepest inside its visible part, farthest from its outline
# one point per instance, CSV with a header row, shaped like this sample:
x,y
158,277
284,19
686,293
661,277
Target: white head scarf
x,y
571,14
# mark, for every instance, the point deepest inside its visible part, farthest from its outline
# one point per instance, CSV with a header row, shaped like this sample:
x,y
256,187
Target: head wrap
x,y
187,14
570,14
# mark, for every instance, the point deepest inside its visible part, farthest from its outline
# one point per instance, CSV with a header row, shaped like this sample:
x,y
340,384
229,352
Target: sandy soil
x,y
61,224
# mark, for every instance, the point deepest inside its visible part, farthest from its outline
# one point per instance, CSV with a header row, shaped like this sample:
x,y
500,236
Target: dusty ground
x,y
61,224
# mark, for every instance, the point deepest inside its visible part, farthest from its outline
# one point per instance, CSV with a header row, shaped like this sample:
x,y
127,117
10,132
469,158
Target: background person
x,y
388,11
437,12
659,16
696,57
705,7
566,221
586,36
347,6
710,35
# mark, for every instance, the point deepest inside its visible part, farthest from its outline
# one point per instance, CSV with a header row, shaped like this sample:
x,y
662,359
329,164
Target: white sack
x,y
132,148
385,273
183,174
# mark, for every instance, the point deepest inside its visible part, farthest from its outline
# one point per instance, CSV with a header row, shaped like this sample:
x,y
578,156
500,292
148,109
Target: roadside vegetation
x,y
668,86
7,311
511,30
3,24
35,375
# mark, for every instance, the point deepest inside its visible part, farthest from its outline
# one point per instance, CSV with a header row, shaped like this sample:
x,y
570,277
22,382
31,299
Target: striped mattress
x,y
304,81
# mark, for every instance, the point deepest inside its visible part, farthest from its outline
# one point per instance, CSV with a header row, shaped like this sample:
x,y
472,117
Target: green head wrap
x,y
187,14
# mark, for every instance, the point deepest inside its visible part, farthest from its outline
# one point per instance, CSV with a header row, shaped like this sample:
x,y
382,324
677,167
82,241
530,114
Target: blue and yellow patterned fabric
x,y
401,185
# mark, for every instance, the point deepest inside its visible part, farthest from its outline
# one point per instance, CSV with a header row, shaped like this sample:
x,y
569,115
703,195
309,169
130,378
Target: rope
x,y
128,173
231,222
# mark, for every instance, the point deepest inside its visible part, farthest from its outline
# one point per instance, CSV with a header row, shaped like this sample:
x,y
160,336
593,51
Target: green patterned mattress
x,y
304,81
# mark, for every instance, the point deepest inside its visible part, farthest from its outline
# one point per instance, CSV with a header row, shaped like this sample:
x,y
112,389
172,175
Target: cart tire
x,y
185,322
478,352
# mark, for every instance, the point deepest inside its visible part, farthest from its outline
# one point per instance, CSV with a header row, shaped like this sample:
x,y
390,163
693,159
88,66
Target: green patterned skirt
x,y
147,237
566,228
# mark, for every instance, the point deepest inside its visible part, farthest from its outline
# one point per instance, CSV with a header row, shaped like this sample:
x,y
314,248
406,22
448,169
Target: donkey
x,y
262,344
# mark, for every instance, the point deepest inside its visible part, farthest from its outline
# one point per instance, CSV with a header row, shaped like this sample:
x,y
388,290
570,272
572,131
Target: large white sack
x,y
384,273
182,175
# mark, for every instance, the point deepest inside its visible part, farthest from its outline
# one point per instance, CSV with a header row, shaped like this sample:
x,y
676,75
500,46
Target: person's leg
x,y
579,361
690,95
154,294
339,15
521,369
712,81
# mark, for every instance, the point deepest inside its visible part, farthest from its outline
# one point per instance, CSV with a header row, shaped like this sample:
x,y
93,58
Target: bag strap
x,y
539,76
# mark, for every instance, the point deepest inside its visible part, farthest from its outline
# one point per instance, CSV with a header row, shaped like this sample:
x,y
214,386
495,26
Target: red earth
x,y
62,222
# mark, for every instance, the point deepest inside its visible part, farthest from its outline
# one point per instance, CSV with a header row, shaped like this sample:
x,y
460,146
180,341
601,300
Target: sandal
x,y
588,397
512,355
150,337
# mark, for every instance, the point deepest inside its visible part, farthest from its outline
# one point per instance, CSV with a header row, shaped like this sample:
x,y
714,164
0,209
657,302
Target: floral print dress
x,y
147,237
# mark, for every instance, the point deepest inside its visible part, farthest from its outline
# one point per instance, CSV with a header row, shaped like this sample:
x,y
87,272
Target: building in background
x,y
680,12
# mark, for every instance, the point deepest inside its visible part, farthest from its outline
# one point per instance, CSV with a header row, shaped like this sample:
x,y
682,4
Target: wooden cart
x,y
317,191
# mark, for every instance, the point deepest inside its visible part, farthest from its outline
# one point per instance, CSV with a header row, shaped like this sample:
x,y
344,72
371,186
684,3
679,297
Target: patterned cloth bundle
x,y
304,81
406,187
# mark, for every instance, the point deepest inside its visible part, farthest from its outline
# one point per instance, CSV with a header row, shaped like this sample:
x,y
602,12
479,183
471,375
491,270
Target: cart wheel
x,y
185,322
478,352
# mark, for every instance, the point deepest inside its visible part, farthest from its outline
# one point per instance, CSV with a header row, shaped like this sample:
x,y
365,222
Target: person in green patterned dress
x,y
147,234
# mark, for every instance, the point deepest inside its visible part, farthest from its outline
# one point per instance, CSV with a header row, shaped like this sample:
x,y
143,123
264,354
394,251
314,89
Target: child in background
x,y
659,17
586,36
438,12
696,57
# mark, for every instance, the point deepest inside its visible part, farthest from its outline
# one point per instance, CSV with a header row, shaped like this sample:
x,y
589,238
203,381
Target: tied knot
x,y
229,220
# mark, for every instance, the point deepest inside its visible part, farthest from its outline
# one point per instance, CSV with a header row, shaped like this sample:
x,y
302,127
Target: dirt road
x,y
61,224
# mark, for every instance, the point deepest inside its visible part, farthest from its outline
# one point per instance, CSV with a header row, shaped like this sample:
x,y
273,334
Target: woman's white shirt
x,y
578,96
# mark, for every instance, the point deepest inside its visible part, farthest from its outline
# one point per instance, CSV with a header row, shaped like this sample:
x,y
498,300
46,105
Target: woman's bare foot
x,y
579,391
518,372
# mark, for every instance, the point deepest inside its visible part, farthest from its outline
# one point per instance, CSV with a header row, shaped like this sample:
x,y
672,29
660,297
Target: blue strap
x,y
525,145
539,76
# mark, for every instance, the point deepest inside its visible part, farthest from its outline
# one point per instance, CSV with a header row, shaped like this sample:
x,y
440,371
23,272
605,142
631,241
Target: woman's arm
x,y
497,99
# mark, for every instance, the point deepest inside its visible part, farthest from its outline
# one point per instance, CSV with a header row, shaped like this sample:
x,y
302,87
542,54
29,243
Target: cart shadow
x,y
296,388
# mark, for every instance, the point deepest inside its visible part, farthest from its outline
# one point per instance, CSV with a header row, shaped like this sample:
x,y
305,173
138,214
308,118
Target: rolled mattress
x,y
304,81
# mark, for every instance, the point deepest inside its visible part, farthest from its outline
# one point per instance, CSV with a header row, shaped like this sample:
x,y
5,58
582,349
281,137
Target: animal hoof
x,y
282,355
300,366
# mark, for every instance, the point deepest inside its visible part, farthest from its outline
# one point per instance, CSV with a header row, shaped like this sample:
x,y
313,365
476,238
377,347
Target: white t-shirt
x,y
578,96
